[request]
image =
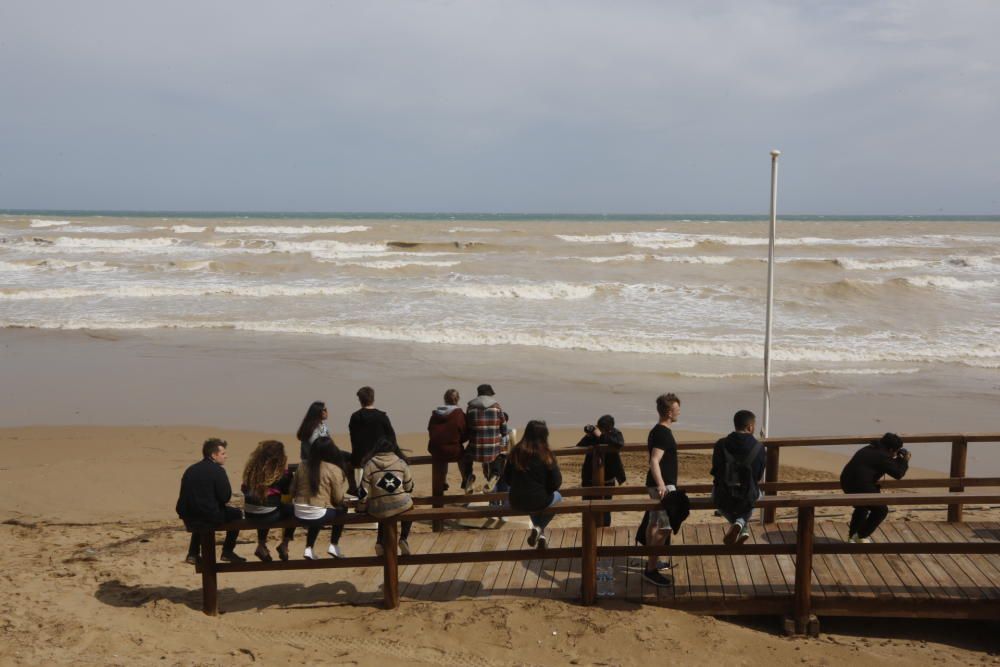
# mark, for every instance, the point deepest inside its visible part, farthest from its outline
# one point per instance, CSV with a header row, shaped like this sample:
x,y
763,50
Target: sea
x,y
853,295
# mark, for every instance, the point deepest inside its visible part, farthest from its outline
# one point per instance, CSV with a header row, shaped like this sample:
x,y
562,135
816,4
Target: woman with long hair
x,y
313,426
386,485
265,479
534,479
318,494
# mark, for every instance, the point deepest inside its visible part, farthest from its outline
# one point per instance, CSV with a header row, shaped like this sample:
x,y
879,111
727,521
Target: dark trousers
x,y
404,531
640,533
194,547
315,525
283,511
866,519
604,519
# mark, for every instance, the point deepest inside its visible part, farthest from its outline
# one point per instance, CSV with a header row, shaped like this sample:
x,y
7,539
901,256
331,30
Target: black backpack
x,y
736,490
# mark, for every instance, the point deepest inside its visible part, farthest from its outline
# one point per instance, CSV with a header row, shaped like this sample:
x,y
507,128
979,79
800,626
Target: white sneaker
x,y
379,551
308,554
404,548
865,540
335,551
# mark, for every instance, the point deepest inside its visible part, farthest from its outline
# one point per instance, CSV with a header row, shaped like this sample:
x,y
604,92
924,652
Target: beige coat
x,y
332,486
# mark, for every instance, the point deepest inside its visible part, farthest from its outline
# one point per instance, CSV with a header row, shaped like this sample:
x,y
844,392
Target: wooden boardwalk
x,y
936,585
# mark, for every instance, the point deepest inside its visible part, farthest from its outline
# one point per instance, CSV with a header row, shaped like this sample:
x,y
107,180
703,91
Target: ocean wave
x,y
433,245
614,258
474,230
290,229
662,239
698,259
156,292
389,264
99,229
538,291
852,264
89,266
800,373
84,244
186,229
948,282
50,223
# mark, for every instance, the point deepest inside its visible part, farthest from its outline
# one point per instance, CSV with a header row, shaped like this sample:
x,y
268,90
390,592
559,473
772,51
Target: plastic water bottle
x,y
605,579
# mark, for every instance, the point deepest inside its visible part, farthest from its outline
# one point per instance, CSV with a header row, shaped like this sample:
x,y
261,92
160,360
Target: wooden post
x,y
596,471
959,452
588,559
803,568
390,569
771,475
209,578
439,475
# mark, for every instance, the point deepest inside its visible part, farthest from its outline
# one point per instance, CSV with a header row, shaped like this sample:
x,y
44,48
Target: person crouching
x,y
862,473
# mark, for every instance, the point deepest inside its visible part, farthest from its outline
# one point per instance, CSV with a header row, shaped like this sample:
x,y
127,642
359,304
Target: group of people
x,y
376,473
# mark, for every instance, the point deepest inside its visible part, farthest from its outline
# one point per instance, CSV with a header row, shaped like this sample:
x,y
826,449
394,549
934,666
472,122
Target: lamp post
x,y
770,296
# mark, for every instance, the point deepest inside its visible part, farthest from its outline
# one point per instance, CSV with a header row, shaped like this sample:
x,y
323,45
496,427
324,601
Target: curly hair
x,y
265,466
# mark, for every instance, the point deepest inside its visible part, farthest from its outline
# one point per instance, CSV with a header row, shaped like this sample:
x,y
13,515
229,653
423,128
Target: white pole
x,y
770,295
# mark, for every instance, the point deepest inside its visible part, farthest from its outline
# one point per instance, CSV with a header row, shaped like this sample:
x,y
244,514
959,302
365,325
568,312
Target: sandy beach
x,y
94,575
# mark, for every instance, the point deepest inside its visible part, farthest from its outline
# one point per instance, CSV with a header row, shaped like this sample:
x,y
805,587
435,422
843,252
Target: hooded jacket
x,y
447,431
867,466
367,426
387,485
614,469
487,426
739,445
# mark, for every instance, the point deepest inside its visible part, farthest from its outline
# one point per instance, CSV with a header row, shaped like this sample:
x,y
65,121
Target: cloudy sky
x,y
500,106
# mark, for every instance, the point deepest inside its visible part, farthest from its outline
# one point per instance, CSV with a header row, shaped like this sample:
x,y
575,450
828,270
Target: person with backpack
x,y
738,463
386,485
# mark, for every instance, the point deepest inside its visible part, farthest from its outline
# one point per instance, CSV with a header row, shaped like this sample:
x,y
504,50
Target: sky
x,y
496,106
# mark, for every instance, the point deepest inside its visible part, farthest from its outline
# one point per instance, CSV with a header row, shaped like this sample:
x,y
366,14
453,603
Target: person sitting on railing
x,y
487,430
660,480
604,433
534,479
862,473
201,503
447,431
265,479
318,489
738,463
386,485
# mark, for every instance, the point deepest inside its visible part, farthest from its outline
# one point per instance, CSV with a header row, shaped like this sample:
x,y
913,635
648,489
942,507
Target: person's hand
x,y
662,490
597,432
907,455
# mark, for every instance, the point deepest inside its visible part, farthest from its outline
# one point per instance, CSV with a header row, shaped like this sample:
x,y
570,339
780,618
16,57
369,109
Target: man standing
x,y
487,429
201,504
367,426
738,463
862,473
661,480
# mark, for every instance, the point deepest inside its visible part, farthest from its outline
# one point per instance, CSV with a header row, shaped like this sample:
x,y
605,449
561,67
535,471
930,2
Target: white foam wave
x,y
948,282
331,250
99,229
662,239
290,230
852,264
154,292
50,223
804,372
186,229
699,259
540,291
389,264
473,230
84,244
615,258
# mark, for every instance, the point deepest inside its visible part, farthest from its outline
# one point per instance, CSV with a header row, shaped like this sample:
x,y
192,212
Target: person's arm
x,y
588,440
223,491
508,472
463,427
718,460
338,486
613,438
655,456
895,466
364,493
760,464
554,478
389,431
407,479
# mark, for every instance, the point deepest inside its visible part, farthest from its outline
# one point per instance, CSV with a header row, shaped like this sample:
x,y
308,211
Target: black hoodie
x,y
738,444
367,427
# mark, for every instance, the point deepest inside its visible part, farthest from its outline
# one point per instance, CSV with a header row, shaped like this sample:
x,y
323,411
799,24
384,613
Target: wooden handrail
x,y
589,551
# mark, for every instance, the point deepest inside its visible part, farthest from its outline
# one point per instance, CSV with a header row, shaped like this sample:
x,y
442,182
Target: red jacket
x,y
447,432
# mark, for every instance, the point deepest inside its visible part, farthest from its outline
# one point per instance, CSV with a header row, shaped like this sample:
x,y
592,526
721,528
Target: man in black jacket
x,y
205,490
738,463
862,473
604,433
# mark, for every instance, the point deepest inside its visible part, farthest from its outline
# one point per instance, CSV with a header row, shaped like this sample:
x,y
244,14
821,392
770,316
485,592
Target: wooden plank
x,y
772,569
785,561
546,585
759,580
620,563
681,590
944,585
885,569
864,562
633,572
477,573
415,575
966,561
855,581
964,533
912,585
501,586
437,586
571,571
834,577
462,575
489,583
908,566
711,570
787,536
955,570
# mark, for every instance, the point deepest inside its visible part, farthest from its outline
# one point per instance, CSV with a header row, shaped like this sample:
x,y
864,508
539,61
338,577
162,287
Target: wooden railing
x,y
957,480
799,605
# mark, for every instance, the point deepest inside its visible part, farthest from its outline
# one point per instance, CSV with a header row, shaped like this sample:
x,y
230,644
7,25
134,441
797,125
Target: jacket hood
x,y
483,402
444,410
384,460
738,441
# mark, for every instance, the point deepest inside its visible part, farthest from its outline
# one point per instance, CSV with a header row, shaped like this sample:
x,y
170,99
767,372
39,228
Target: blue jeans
x,y
733,518
541,519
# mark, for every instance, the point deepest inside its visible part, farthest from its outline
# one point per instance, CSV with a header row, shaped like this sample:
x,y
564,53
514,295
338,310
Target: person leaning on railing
x,y
862,473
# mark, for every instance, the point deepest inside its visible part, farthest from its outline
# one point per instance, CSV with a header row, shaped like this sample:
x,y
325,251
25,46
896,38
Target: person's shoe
x,y
191,559
262,553
404,548
533,536
468,482
853,539
543,541
334,550
308,554
865,540
656,578
379,550
664,565
744,535
732,534
446,487
232,557
282,551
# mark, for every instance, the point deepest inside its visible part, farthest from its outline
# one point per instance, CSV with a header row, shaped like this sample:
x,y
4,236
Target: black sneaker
x,y
664,565
191,559
656,578
232,557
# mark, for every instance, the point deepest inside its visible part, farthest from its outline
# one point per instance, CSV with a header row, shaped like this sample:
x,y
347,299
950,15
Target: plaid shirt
x,y
487,431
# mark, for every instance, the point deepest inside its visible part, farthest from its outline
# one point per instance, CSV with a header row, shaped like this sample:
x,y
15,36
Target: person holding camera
x,y
885,456
603,433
